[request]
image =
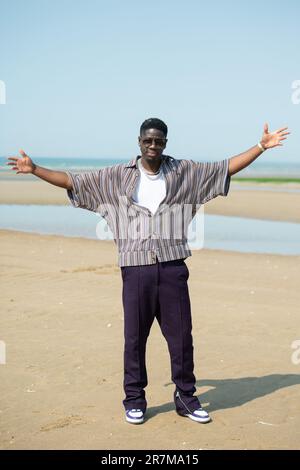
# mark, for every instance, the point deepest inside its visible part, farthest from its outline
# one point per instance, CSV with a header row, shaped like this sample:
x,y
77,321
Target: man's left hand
x,y
273,139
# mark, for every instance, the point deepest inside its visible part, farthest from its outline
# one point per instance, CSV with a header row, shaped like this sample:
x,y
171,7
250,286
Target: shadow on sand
x,y
230,393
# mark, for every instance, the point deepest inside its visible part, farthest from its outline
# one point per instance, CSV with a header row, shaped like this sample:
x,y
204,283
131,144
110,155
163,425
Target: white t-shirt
x,y
150,189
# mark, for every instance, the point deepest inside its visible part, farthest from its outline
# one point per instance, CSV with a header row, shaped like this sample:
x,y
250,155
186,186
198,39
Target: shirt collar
x,y
165,158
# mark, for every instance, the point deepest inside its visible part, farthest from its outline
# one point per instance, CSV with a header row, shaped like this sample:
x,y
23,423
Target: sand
x,y
62,323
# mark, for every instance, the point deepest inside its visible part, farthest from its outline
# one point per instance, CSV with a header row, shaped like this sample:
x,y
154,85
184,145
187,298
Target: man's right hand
x,y
23,164
26,165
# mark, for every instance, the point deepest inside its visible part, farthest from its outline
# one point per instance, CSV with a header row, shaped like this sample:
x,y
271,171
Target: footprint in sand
x,y
74,420
105,269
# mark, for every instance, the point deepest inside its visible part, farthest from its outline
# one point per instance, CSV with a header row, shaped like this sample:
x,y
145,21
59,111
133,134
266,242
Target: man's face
x,y
152,144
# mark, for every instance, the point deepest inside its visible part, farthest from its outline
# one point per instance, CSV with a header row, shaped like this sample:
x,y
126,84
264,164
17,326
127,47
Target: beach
x,y
137,112
62,324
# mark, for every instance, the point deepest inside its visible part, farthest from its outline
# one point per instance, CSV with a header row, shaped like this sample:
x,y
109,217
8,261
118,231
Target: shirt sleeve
x,y
86,192
213,180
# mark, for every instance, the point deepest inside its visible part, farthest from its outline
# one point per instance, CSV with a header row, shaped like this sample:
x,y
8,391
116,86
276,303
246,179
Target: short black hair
x,y
154,123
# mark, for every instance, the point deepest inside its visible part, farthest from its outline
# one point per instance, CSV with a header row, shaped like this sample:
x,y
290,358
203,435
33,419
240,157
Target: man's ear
x,y
139,140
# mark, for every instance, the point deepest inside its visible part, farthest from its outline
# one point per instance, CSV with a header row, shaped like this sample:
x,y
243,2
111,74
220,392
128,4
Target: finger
x,y
10,163
285,133
281,129
12,158
266,128
283,138
22,153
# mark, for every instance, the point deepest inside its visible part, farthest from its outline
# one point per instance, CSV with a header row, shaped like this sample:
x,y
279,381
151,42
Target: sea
x,y
259,168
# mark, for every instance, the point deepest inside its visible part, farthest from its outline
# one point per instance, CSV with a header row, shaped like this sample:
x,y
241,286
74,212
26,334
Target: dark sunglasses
x,y
157,142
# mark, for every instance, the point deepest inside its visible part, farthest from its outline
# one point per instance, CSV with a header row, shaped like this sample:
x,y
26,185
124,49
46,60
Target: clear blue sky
x,y
82,75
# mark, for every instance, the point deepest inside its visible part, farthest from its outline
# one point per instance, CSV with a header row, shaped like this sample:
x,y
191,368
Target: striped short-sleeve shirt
x,y
143,238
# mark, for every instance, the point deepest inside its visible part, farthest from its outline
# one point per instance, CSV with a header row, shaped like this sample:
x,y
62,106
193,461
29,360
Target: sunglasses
x,y
157,142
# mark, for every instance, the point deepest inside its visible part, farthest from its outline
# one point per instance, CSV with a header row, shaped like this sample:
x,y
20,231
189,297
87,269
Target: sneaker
x,y
200,415
134,416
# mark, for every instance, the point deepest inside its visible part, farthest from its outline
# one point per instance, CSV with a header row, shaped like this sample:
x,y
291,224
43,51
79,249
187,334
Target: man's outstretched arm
x,y
268,141
26,165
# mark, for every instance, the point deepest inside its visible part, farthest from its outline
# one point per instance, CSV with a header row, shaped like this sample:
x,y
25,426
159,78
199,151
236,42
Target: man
x,y
138,200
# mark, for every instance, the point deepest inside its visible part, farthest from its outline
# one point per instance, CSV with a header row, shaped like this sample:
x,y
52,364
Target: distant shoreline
x,y
266,179
260,171
8,175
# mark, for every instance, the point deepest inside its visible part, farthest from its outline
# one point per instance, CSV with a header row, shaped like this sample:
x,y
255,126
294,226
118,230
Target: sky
x,y
82,75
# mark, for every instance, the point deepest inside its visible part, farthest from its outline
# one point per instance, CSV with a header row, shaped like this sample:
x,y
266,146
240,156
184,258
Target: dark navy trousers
x,y
158,291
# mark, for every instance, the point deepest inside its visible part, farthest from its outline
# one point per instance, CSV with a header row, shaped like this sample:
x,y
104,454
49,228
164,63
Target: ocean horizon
x,y
259,168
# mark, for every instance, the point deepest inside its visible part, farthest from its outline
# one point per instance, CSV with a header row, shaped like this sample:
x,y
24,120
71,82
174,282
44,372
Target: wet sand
x,y
261,204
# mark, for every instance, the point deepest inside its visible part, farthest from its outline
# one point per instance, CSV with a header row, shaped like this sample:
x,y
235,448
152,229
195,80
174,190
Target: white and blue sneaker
x,y
200,415
134,416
